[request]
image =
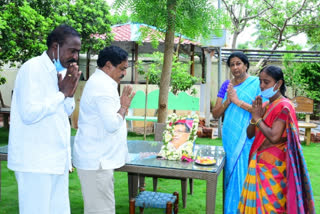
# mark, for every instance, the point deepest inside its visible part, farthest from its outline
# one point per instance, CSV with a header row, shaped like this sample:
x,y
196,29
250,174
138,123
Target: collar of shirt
x,y
48,63
109,79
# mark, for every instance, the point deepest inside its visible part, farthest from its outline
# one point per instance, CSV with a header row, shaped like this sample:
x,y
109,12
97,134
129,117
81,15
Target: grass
x,y
195,202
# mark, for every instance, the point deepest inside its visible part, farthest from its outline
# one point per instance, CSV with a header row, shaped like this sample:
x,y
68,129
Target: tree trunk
x,y
192,60
178,47
167,63
234,39
136,55
145,110
88,65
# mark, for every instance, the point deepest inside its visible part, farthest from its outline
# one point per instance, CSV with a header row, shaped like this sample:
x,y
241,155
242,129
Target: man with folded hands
x,y
101,141
39,138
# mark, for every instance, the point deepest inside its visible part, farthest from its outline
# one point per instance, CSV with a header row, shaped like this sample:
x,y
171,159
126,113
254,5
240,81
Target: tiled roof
x,y
122,32
130,32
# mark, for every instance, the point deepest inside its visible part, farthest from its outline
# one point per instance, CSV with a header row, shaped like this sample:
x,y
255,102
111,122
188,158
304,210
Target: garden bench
x,y
304,105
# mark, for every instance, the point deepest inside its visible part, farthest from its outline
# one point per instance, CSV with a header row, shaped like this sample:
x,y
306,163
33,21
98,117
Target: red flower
x,y
186,158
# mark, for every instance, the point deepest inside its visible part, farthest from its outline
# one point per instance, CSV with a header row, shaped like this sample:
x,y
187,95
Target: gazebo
x,y
127,36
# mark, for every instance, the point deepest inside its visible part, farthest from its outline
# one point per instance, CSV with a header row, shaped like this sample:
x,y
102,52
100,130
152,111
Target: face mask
x,y
268,93
57,63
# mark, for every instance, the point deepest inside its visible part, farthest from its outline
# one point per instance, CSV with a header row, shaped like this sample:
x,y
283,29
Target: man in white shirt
x,y
39,138
101,141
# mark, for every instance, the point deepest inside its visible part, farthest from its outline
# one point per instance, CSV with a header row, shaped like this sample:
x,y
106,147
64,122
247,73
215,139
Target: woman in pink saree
x,y
277,180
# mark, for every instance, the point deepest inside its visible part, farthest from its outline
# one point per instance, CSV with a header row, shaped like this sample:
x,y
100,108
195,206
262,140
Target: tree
x,y
291,72
281,23
22,32
120,18
190,18
278,23
302,77
310,20
93,21
25,24
310,80
181,80
242,12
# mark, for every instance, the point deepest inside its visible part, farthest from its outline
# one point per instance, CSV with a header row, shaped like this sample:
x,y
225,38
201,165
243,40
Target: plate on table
x,y
205,161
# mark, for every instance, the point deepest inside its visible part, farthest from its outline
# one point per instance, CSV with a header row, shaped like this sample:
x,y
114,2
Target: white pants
x,y
97,190
41,193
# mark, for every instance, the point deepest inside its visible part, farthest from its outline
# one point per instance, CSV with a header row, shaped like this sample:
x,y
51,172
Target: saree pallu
x,y
236,144
277,179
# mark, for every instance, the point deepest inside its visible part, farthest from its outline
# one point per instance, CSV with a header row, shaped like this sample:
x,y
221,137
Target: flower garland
x,y
185,151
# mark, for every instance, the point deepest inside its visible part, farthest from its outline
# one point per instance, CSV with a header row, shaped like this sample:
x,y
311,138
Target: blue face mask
x,y
268,93
57,63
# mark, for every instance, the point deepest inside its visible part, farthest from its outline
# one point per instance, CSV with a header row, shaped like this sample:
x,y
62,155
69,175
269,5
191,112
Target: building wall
x,y
7,88
10,75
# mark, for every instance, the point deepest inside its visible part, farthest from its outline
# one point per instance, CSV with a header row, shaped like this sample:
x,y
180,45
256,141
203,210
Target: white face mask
x,y
268,93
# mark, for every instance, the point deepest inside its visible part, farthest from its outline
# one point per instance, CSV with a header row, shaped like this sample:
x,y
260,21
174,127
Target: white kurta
x,y
39,137
101,139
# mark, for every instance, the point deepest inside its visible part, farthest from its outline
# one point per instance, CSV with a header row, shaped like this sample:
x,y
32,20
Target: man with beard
x,y
39,137
101,141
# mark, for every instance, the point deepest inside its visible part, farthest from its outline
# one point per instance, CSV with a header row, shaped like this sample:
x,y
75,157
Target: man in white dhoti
x,y
39,138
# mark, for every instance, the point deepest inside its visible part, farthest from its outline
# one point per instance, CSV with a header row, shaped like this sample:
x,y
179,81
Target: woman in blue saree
x,y
234,101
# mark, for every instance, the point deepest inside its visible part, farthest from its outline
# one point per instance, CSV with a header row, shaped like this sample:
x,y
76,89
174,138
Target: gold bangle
x,y
241,103
258,121
222,105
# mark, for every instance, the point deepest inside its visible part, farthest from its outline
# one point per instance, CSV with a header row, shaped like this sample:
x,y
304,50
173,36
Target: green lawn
x,y
195,202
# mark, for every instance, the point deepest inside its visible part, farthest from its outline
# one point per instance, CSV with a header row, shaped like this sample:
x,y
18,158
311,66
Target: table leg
x,y
191,185
211,196
308,136
142,182
155,183
133,180
184,189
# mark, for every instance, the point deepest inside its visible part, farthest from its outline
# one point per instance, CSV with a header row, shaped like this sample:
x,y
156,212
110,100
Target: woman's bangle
x,y
258,122
255,123
222,105
241,103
